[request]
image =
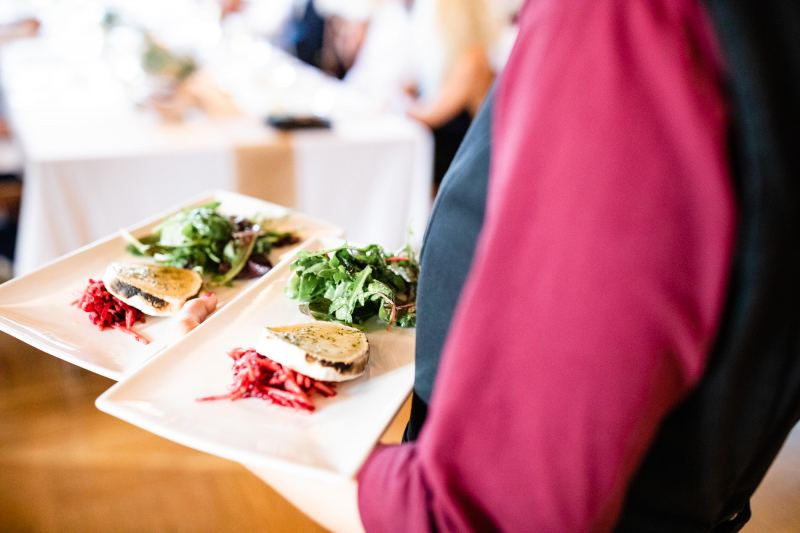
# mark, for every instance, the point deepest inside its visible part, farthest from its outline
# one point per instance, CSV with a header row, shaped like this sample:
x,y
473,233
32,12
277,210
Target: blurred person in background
x,y
434,59
346,25
326,34
429,57
453,72
382,66
305,32
296,26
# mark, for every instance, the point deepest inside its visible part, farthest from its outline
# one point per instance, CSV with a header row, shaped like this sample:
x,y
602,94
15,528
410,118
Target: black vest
x,y
715,447
713,450
449,245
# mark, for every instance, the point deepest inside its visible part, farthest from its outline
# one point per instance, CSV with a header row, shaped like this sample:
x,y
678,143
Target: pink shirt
x,y
598,281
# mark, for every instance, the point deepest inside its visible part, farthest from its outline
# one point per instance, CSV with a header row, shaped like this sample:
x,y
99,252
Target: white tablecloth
x,y
94,162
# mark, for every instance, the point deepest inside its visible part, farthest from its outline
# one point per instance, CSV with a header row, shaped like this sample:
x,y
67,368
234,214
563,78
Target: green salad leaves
x,y
221,247
351,285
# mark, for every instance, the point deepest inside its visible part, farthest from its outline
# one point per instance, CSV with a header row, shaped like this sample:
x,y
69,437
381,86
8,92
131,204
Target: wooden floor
x,y
776,504
65,466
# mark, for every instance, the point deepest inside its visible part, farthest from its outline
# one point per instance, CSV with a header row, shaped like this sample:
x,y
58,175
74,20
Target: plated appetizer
x,y
128,292
346,284
292,363
191,248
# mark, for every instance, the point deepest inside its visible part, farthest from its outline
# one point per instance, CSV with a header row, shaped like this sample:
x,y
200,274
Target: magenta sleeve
x,y
597,284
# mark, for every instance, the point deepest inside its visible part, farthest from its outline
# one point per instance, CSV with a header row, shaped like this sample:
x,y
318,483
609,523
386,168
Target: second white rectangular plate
x,y
335,439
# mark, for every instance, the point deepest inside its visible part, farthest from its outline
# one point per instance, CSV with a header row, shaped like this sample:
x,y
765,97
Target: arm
x,y
597,283
465,85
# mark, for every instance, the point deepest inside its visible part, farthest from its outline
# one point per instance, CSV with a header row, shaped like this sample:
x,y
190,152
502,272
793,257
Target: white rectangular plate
x,y
334,440
36,308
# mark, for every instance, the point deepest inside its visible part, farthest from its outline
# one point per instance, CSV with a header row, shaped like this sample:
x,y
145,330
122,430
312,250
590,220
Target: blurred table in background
x,y
95,161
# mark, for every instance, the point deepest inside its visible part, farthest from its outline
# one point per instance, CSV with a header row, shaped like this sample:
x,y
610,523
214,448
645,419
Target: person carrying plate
x,y
624,352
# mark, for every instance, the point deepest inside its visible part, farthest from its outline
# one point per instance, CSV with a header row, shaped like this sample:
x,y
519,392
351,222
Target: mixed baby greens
x,y
351,285
221,247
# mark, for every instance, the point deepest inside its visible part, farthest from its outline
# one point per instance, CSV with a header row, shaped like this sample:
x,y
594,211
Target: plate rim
x,y
106,404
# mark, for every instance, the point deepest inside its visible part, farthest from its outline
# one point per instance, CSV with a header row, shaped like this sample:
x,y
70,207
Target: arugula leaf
x,y
236,253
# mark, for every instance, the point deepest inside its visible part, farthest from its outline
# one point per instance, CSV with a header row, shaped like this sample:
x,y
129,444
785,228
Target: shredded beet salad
x,y
107,311
256,376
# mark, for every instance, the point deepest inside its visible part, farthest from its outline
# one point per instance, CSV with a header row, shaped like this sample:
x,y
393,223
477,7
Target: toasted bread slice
x,y
321,350
153,289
